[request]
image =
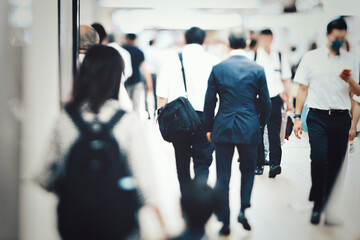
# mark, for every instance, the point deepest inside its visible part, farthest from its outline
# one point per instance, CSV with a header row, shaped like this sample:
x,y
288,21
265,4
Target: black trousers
x,y
328,136
153,77
274,127
199,149
224,156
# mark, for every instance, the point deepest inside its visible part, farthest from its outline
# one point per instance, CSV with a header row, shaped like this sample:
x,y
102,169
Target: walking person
x,y
135,85
328,119
278,74
93,163
197,67
238,81
109,40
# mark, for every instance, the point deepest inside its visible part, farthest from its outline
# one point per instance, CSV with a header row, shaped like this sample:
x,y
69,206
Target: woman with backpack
x,y
98,162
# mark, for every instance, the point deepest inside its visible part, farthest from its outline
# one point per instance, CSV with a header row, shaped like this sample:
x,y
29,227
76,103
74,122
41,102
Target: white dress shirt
x,y
319,70
126,57
198,65
239,52
273,71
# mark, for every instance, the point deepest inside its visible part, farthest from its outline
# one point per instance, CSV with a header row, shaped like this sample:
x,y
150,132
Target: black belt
x,y
330,112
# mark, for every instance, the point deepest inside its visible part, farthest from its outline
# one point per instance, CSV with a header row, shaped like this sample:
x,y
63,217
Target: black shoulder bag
x,y
178,119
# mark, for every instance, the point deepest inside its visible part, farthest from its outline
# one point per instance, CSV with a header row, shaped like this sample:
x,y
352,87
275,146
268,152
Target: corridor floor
x,y
280,206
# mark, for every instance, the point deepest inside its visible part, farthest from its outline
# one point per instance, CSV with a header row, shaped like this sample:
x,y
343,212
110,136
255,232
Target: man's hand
x,y
352,134
345,75
208,135
298,128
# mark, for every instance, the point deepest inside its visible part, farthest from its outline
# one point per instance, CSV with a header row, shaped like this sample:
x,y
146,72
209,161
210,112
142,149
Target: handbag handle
x,y
183,73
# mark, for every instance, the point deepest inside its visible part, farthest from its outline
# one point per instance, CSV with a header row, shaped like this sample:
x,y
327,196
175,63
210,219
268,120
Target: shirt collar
x,y
238,52
193,47
326,50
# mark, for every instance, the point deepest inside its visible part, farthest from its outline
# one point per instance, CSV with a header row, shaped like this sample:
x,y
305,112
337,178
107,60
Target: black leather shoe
x,y
315,217
274,170
259,170
225,230
242,219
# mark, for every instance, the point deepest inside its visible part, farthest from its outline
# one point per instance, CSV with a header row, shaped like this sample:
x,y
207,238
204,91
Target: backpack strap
x,y
85,128
78,120
255,56
114,120
183,73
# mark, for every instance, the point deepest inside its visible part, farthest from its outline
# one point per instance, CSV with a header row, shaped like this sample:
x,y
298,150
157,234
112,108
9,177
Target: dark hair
x,y
131,36
266,32
100,30
99,77
198,202
111,38
338,23
151,42
195,35
237,41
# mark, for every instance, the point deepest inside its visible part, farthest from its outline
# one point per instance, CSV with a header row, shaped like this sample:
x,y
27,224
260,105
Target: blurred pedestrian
x,y
328,119
135,85
278,75
198,203
104,39
93,163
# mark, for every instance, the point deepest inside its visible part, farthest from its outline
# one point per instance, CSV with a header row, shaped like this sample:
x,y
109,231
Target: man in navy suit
x,y
245,108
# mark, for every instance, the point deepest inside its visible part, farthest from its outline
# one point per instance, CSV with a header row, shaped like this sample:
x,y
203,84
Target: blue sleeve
x,y
210,103
264,99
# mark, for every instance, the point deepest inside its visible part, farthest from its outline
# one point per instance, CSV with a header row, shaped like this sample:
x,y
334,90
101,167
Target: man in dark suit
x,y
241,85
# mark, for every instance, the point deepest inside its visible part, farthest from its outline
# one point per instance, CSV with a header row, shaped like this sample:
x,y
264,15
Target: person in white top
x,y
198,65
124,98
124,54
278,75
328,120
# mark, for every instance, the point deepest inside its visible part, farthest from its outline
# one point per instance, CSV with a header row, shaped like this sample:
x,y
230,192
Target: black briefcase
x,y
178,119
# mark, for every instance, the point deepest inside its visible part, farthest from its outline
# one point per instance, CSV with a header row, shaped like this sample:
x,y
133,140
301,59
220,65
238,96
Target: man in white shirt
x,y
329,101
197,67
124,54
278,74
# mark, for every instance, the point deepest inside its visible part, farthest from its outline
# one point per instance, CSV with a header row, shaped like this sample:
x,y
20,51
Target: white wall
x,y
41,105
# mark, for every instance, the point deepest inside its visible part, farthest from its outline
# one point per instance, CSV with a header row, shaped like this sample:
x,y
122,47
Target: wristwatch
x,y
297,116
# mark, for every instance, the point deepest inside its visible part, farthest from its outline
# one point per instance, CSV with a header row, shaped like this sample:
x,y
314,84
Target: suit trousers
x,y
199,149
274,128
224,156
328,137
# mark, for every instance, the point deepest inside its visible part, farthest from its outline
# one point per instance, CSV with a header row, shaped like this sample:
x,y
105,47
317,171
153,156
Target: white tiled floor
x,y
280,206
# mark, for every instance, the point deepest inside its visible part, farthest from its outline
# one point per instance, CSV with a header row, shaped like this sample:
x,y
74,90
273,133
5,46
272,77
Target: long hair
x,y
99,77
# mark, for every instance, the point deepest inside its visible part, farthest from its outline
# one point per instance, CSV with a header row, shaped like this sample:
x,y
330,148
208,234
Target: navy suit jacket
x,y
238,81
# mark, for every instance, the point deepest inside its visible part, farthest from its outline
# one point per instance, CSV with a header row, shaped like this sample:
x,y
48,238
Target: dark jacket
x,y
238,81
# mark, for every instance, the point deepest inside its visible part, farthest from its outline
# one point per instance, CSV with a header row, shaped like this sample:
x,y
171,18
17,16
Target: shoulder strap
x,y
79,122
280,62
255,56
83,127
114,120
183,72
